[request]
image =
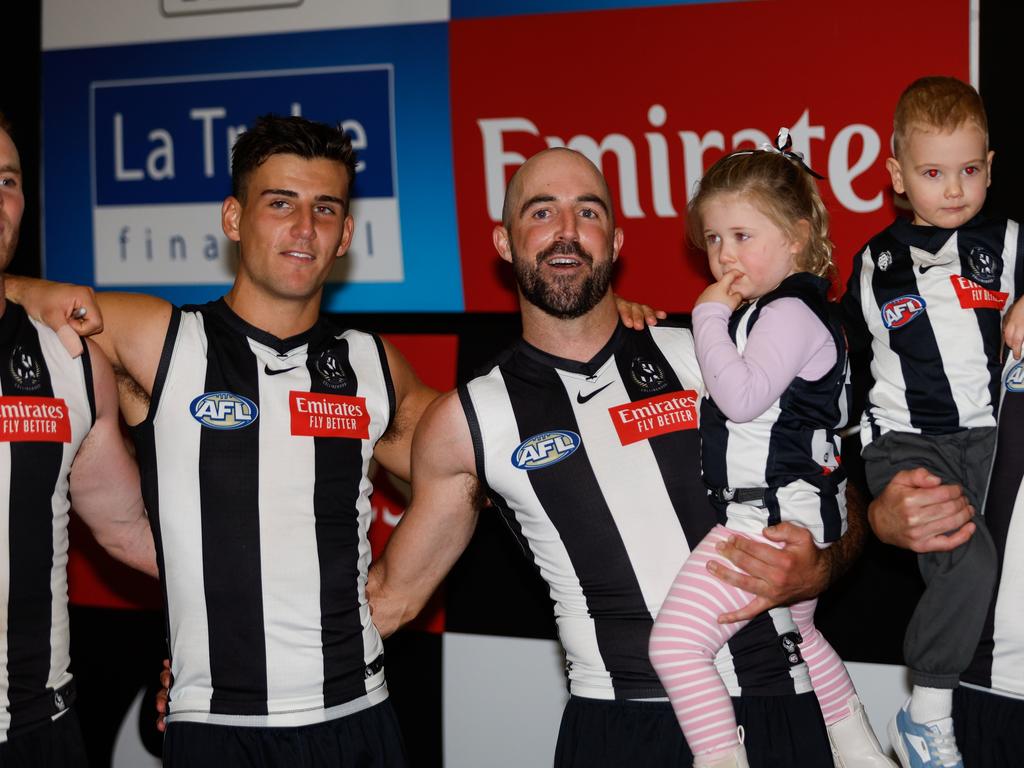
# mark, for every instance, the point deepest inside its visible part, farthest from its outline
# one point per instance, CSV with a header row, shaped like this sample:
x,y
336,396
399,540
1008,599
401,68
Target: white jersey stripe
x,y
179,497
575,628
655,574
290,594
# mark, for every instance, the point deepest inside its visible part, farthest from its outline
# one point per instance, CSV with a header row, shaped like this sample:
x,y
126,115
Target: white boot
x,y
854,744
735,759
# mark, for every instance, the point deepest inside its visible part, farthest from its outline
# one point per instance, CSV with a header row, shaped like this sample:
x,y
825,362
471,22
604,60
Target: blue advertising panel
x,y
137,207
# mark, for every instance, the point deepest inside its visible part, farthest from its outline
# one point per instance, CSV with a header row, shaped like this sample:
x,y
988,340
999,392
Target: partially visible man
x,y
916,512
59,435
255,421
584,438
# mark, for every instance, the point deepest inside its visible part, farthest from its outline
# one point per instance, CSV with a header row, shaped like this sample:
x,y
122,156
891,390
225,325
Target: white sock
x,y
929,704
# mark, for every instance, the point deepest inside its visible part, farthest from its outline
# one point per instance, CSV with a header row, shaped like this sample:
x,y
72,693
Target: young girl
x,y
774,363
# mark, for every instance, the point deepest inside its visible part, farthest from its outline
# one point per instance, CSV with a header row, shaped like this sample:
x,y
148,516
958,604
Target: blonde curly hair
x,y
781,190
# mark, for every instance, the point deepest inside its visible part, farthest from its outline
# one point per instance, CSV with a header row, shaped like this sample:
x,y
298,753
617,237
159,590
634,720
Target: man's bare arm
x,y
412,397
130,333
105,490
69,310
798,571
439,522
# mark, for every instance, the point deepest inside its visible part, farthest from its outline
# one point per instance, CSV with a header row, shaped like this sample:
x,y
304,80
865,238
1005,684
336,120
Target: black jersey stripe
x,y
389,383
229,499
500,502
165,362
600,560
144,440
474,432
90,393
35,467
685,487
928,392
339,471
1007,475
990,321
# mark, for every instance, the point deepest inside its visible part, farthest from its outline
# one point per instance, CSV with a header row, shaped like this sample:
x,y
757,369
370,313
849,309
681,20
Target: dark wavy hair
x,y
286,135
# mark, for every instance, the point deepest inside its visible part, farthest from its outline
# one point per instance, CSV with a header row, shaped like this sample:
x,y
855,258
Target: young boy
x,y
929,296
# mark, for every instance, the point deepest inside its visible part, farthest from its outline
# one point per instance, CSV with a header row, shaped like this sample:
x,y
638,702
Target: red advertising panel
x,y
656,95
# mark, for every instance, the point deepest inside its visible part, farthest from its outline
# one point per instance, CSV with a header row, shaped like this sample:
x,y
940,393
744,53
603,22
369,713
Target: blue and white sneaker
x,y
924,745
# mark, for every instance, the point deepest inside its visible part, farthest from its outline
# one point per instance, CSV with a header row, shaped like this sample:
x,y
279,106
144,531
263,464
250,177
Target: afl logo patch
x,y
545,449
900,311
1015,378
331,371
224,410
25,370
647,375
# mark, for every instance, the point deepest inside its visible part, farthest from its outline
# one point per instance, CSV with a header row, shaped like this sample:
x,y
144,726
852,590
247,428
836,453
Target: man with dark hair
x,y
255,421
272,135
59,435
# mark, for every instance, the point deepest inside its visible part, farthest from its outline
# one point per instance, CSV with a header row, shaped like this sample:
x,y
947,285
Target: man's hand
x,y
1013,328
797,571
636,316
162,695
70,310
917,512
722,291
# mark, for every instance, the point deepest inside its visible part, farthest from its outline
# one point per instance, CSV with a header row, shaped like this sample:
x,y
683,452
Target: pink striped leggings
x,y
687,636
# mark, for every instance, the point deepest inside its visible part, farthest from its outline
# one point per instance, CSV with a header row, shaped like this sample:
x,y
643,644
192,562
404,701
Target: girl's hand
x,y
722,291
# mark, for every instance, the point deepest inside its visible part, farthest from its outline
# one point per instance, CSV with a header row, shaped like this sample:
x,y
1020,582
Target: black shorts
x,y
52,744
989,728
780,732
367,739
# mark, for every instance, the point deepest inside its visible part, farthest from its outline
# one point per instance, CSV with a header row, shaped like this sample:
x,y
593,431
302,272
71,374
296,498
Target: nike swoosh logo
x,y
922,268
274,371
581,398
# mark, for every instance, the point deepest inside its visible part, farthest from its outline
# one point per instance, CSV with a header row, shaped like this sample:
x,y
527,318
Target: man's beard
x,y
562,296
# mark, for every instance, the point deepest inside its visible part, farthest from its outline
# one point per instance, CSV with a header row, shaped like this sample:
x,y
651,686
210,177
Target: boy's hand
x,y
1013,328
722,291
636,316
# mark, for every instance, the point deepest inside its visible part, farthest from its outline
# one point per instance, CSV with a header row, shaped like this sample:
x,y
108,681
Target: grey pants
x,y
944,631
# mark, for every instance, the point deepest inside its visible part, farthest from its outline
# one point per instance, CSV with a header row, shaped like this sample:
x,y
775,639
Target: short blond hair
x,y
782,190
939,103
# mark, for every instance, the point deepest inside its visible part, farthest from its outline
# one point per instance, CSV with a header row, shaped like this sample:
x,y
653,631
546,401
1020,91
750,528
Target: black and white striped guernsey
x,y
254,460
930,302
595,466
999,661
46,409
792,450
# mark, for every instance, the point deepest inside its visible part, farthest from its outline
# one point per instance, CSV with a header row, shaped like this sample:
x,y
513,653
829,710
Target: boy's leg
x,y
947,623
